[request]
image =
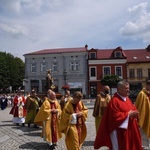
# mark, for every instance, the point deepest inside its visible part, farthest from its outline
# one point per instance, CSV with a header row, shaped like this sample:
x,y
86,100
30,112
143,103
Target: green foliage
x,y
11,71
3,72
110,80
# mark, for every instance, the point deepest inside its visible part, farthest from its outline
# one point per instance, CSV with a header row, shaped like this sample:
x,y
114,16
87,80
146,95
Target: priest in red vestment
x,y
119,129
18,110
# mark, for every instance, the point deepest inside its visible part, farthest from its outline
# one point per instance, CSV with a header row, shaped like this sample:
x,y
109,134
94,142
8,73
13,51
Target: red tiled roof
x,y
142,55
58,50
132,55
137,55
107,53
104,54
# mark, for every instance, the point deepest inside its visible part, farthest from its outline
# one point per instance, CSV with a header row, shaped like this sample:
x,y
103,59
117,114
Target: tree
x,y
11,71
4,82
111,81
21,70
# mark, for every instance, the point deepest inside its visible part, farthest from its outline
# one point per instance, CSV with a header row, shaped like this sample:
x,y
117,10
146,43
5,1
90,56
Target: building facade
x,y
68,67
138,69
83,69
102,62
131,65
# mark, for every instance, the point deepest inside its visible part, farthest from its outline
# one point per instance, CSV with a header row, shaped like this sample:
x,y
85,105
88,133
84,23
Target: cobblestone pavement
x,y
14,137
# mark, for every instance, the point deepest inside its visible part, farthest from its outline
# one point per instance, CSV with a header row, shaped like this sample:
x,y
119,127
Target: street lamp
x,y
65,76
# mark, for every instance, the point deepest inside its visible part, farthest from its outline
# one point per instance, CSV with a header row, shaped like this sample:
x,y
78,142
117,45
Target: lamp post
x,y
65,76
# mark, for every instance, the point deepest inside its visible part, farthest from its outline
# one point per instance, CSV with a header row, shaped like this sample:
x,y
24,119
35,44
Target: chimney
x,y
148,48
86,46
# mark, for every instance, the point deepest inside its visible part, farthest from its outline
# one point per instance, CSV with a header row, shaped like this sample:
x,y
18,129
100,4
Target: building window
x,y
43,67
106,70
33,67
92,55
92,72
131,73
35,85
118,54
74,65
71,66
139,73
55,66
148,72
118,70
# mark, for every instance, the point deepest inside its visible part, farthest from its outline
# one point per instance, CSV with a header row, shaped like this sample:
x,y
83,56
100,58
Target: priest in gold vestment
x,y
142,104
100,105
49,118
72,122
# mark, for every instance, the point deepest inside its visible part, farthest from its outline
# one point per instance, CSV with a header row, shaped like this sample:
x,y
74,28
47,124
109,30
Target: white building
x,y
68,66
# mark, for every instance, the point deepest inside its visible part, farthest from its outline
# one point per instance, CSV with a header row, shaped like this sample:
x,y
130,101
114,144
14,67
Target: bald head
x,y
67,92
51,94
106,89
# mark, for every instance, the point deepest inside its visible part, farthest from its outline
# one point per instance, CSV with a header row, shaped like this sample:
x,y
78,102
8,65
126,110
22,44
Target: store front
x,y
77,86
93,90
35,85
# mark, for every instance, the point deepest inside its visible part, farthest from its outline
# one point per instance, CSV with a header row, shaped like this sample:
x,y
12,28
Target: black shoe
x,y
29,125
17,124
35,126
51,147
23,125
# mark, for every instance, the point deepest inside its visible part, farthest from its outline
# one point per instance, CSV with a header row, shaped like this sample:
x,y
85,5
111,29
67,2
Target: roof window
x,y
92,55
134,57
147,57
118,54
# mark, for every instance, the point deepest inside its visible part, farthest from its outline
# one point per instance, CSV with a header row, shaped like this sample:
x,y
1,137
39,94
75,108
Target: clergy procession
x,y
117,122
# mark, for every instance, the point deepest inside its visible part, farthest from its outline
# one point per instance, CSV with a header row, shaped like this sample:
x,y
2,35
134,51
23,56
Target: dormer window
x,y
147,57
118,54
92,55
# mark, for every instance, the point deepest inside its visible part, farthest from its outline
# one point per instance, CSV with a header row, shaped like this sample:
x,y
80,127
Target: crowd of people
x,y
6,100
117,120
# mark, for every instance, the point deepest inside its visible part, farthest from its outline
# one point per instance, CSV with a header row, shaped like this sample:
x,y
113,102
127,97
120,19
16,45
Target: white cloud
x,y
39,24
14,29
10,6
139,9
139,26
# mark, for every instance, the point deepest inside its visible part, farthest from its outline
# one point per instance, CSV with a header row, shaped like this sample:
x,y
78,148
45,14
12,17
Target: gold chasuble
x,y
49,121
74,130
143,106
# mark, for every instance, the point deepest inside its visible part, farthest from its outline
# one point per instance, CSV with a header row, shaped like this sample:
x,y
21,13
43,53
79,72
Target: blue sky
x,y
31,25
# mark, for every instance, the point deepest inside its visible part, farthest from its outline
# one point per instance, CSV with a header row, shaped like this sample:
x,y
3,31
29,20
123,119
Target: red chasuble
x,y
116,113
18,111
